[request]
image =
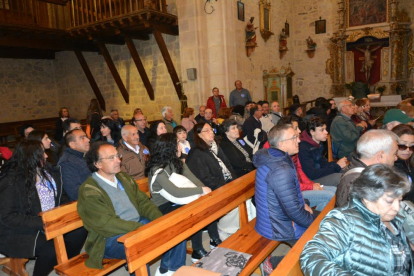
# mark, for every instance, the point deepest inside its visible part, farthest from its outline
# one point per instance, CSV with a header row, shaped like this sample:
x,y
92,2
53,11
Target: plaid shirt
x,y
402,260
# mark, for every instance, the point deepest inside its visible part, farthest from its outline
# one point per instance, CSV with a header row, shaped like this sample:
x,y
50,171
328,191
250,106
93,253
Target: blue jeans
x,y
319,198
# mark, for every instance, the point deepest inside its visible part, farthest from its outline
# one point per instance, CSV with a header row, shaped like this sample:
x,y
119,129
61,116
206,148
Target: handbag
x,y
181,182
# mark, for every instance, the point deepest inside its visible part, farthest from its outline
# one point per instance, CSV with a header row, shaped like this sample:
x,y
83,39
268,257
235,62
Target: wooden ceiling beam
x,y
91,79
17,53
140,66
113,70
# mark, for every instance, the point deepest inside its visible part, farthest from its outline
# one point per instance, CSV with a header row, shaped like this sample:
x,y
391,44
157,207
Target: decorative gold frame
x,y
347,16
265,19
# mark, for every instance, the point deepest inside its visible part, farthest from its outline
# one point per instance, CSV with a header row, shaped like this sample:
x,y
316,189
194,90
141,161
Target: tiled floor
x,y
281,250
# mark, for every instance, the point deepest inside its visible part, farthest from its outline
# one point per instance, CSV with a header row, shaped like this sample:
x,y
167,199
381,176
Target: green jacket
x,y
351,241
99,218
345,135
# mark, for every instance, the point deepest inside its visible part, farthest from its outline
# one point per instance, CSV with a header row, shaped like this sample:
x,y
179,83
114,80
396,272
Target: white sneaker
x,y
168,273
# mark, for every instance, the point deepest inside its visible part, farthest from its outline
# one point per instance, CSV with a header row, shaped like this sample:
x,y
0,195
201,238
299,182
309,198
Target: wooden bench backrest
x,y
290,265
330,154
143,185
150,241
59,221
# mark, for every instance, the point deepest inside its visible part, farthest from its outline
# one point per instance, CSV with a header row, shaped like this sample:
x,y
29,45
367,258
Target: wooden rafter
x,y
168,61
91,79
140,66
113,70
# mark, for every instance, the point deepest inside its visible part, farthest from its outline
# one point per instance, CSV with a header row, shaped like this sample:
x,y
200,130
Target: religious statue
x,y
283,40
311,43
250,37
368,62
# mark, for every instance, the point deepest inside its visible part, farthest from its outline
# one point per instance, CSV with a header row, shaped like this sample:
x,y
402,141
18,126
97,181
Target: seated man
x,y
168,118
282,214
266,118
374,147
344,132
254,136
118,120
111,205
276,114
296,110
73,166
200,115
314,164
140,122
133,153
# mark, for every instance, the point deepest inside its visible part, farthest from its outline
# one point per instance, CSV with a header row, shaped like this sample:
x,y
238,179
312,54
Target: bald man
x,y
134,154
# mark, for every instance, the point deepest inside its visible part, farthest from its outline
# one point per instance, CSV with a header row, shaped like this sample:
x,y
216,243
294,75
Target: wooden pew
x,y
290,265
150,241
143,185
14,266
330,153
59,221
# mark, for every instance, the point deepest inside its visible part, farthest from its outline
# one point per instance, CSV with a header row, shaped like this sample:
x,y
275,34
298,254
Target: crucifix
x,y
368,60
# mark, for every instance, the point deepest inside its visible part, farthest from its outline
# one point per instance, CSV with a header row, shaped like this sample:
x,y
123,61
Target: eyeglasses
x,y
208,130
293,138
404,147
112,157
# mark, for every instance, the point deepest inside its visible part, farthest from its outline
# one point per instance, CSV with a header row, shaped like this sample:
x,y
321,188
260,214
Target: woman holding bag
x,y
164,170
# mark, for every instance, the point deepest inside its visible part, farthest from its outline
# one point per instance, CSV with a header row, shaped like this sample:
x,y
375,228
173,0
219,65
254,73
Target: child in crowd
x,y
181,134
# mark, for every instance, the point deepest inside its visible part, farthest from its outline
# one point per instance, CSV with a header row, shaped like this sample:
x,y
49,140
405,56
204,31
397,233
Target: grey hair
x,y
126,128
378,179
277,134
341,104
164,110
113,110
374,141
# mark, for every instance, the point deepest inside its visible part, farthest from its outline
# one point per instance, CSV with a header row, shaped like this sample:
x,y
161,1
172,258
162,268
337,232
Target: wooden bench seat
x,y
14,266
290,265
59,221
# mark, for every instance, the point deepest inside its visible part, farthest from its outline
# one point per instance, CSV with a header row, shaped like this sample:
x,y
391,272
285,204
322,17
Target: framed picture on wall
x,y
287,28
240,11
320,26
366,12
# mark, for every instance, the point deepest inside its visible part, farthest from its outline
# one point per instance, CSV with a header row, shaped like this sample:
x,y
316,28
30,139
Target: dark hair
x,y
238,109
23,129
37,135
225,126
179,128
253,109
115,133
262,102
294,107
287,120
296,99
402,129
164,153
247,103
27,161
94,107
70,137
152,137
378,179
67,122
198,142
92,156
313,123
360,102
60,111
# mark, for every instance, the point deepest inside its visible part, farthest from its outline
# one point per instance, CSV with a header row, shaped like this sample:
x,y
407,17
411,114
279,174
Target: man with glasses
x,y
282,214
140,122
111,205
344,132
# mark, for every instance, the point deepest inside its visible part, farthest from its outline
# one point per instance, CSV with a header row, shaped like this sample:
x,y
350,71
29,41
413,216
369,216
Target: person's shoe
x,y
197,255
168,273
267,266
214,243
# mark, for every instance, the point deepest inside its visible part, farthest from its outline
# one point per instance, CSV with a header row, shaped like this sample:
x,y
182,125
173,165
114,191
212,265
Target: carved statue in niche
x,y
368,62
283,40
250,37
311,44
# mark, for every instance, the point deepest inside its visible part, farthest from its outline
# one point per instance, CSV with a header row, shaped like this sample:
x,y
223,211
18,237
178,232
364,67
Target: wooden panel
x,y
16,267
151,240
330,153
61,220
143,185
290,265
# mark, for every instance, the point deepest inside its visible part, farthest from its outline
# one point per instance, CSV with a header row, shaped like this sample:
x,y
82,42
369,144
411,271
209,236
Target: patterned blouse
x,y
46,189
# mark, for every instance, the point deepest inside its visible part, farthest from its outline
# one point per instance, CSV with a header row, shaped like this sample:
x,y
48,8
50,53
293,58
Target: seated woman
x,y
28,186
207,160
156,129
188,121
365,237
164,162
405,154
109,132
362,113
237,152
51,149
223,114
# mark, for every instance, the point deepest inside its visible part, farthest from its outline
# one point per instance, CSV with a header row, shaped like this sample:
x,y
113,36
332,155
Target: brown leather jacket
x,y
132,163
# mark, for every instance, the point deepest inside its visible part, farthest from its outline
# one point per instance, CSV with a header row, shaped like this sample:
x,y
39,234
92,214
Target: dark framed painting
x,y
366,12
240,11
287,28
320,26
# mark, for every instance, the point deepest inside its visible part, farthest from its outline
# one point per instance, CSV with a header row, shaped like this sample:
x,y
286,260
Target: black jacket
x,y
19,224
250,124
301,122
59,130
205,167
409,170
236,157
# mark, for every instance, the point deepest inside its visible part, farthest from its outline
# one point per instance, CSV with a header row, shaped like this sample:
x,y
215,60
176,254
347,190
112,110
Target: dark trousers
x,y
45,250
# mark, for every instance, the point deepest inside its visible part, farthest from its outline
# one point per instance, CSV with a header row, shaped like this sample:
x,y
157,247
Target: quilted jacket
x,y
351,241
279,201
345,135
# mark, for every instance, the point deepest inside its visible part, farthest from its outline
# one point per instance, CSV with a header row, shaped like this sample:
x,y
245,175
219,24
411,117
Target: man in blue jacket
x,y
314,164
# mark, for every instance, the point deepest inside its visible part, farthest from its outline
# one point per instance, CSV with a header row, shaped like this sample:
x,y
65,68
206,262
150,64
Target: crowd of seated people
x,y
98,166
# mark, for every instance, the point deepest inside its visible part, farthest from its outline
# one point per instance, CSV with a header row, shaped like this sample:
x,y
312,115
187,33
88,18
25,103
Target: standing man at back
x,y
239,96
216,102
